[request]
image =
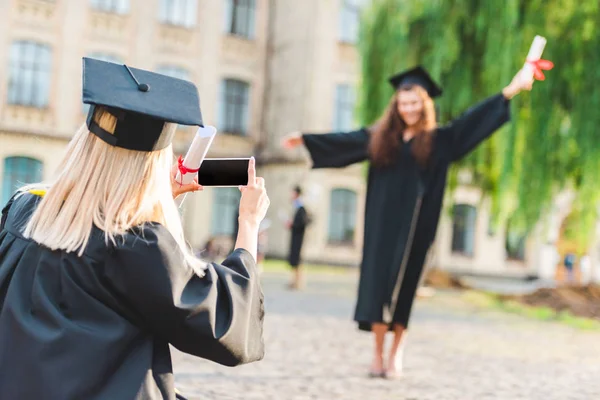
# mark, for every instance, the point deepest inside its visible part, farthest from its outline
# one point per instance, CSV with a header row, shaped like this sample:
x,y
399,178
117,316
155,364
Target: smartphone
x,y
223,172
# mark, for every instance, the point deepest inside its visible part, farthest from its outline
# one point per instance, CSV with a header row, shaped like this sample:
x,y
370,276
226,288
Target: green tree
x,y
474,48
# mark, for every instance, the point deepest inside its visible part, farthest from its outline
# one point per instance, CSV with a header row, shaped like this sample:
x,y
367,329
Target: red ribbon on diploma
x,y
539,66
184,170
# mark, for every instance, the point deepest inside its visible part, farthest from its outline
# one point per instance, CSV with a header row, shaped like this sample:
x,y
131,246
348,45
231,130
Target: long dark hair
x,y
386,134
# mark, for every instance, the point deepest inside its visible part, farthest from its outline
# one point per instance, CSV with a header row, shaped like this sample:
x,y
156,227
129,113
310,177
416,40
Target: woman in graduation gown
x,y
409,158
96,280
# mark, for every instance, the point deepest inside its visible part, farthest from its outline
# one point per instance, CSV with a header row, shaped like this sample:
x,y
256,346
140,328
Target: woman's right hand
x,y
254,202
292,140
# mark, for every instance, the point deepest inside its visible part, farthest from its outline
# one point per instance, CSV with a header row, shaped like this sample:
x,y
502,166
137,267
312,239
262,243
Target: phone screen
x,y
223,172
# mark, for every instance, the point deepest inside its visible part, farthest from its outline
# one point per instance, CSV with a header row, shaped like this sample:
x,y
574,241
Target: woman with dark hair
x,y
409,158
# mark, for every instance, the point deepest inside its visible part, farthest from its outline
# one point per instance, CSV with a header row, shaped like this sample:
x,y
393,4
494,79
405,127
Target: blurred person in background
x,y
409,159
297,227
569,263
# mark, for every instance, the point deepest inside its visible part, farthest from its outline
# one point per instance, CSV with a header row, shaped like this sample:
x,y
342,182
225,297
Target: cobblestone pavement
x,y
454,351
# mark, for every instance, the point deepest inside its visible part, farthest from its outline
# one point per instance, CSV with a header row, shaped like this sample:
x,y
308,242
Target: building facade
x,y
264,68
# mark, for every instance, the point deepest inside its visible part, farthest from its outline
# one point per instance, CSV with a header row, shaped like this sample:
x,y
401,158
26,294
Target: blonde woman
x,y
95,277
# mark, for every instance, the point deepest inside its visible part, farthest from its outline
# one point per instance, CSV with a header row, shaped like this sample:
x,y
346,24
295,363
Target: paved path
x,y
455,351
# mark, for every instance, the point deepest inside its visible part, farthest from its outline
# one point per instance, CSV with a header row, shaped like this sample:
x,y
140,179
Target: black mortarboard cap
x,y
142,101
416,76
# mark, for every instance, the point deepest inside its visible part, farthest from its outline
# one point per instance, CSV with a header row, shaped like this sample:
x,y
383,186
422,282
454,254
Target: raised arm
x,y
463,134
218,316
332,150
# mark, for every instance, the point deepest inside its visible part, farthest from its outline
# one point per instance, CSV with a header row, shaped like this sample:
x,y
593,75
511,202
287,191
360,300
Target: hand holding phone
x,y
254,202
253,208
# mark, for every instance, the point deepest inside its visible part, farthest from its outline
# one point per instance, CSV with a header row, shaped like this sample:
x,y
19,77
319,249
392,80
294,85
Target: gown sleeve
x,y
337,150
218,317
474,126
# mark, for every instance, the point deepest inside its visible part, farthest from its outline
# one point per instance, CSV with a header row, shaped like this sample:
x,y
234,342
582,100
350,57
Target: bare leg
x,y
394,368
296,282
379,331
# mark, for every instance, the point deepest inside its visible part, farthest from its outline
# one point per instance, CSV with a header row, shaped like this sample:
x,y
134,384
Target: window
x,y
491,226
344,108
112,6
515,246
349,21
233,108
515,242
239,17
174,72
463,229
225,209
19,171
342,216
179,12
108,57
29,74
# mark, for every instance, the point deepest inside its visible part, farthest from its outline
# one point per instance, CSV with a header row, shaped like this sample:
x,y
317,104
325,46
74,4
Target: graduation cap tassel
x,y
142,87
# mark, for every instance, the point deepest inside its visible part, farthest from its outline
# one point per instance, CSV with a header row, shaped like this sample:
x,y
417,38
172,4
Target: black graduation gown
x,y
99,326
297,236
403,206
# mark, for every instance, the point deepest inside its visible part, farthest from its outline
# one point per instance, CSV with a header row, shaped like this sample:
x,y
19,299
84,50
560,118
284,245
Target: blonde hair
x,y
113,188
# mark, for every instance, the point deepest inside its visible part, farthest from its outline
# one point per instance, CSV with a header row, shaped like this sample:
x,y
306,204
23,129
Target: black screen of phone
x,y
223,172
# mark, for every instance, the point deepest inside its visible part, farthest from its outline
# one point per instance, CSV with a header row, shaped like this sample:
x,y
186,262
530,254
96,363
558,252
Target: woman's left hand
x,y
521,81
179,189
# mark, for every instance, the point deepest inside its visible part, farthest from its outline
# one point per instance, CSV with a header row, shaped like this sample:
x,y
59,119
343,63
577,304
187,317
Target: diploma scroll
x,y
196,154
534,64
189,166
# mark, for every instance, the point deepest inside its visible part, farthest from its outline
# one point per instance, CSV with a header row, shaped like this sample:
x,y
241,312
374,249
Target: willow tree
x,y
474,48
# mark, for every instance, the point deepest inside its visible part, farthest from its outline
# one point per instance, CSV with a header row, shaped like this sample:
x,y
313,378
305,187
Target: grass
x,y
272,265
493,301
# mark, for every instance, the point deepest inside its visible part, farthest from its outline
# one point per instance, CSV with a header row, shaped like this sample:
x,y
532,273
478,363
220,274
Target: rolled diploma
x,y
535,53
194,157
196,153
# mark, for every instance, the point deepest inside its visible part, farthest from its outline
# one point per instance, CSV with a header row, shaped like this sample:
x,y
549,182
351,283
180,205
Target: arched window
x,y
344,108
179,12
234,107
19,171
29,74
111,6
515,242
342,216
239,17
349,20
463,229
